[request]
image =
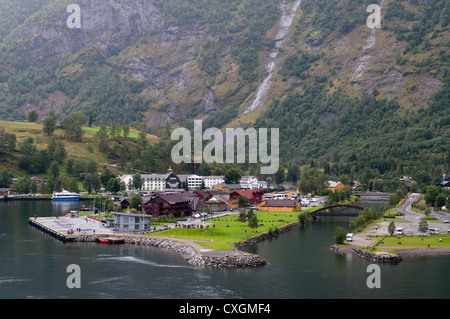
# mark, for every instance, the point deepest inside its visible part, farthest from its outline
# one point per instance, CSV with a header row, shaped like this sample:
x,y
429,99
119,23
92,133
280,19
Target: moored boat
x,y
111,240
65,196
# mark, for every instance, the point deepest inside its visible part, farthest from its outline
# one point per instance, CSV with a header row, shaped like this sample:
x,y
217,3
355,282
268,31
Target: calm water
x,y
300,265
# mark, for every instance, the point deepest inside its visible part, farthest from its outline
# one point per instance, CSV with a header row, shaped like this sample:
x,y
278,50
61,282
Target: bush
x,y
339,235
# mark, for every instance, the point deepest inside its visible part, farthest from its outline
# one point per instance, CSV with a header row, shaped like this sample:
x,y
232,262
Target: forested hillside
x,y
349,100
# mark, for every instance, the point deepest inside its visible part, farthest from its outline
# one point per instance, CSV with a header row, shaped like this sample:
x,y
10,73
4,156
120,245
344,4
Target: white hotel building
x,y
161,182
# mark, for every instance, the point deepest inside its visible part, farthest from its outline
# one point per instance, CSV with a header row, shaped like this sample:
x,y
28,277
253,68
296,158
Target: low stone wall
x,y
382,258
264,236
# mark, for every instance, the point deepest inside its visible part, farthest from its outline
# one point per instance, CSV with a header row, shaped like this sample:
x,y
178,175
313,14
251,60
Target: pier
x,y
70,228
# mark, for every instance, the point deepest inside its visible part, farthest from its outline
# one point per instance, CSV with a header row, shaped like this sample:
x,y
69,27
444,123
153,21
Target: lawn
x,y
416,241
228,229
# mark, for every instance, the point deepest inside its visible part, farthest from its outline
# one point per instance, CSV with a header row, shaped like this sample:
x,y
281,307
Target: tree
x,y
423,225
73,125
242,217
253,222
391,228
56,150
293,174
137,181
440,200
113,185
5,179
136,201
54,169
32,116
232,177
431,194
49,123
280,176
243,201
92,182
340,235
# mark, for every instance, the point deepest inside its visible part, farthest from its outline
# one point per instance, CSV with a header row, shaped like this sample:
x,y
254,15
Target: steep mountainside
x,y
337,89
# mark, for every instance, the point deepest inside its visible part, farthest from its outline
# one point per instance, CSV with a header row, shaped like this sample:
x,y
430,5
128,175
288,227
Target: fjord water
x,y
300,265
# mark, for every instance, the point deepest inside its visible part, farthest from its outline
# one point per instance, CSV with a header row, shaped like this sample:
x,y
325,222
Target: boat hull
x,y
65,199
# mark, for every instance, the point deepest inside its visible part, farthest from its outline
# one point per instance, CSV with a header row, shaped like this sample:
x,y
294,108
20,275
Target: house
x,y
128,222
154,182
192,181
203,194
4,191
211,181
249,182
196,203
254,196
334,186
216,204
280,205
445,184
163,204
355,184
124,202
37,180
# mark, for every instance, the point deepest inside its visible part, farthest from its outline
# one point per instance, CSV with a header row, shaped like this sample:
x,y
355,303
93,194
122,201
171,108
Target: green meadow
x,y
228,229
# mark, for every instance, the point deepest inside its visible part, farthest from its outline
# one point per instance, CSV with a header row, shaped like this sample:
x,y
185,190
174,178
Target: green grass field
x,y
416,241
229,230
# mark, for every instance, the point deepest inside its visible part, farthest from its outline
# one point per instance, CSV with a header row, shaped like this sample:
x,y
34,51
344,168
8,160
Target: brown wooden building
x,y
168,204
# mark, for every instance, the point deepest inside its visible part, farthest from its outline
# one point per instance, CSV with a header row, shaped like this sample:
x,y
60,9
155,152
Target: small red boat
x,y
104,241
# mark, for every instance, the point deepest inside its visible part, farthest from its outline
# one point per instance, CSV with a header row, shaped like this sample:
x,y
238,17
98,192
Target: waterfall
x,y
283,28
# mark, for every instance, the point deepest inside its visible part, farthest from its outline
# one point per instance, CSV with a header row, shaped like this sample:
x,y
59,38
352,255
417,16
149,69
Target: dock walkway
x,y
70,227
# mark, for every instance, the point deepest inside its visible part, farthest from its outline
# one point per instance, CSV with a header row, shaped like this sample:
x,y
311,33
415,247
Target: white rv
x,y
349,237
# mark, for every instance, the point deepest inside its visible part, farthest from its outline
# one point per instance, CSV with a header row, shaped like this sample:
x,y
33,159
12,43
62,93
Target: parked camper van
x,y
433,231
400,231
349,237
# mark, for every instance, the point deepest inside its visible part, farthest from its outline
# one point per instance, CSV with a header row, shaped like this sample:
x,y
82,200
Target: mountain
x,y
341,93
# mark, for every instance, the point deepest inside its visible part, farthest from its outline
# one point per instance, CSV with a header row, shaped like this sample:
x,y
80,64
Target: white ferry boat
x,y
65,196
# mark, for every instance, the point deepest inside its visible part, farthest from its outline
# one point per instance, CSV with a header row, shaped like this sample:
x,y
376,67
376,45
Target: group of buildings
x,y
164,194
169,180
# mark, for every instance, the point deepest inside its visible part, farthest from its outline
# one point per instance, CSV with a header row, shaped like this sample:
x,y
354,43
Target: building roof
x,y
248,192
332,184
230,186
131,214
169,198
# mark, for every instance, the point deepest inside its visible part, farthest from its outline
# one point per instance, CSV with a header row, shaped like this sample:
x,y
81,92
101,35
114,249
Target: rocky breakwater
x,y
380,257
218,259
267,235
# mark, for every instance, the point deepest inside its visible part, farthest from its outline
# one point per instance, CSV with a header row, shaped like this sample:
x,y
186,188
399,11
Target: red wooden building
x,y
255,197
168,204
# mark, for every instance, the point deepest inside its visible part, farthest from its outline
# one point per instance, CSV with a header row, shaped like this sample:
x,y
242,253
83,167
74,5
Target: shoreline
x,y
388,256
193,253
